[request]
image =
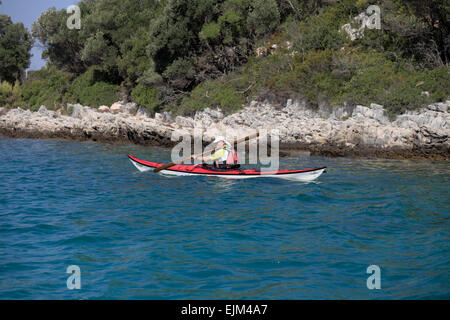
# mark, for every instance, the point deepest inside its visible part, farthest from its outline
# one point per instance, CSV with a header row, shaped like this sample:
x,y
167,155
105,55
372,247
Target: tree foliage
x,y
189,54
15,46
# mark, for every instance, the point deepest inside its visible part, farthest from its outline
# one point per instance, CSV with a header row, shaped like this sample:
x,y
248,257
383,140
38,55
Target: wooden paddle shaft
x,y
168,165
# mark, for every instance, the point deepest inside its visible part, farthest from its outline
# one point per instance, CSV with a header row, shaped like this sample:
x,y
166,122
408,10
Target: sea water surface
x,y
146,236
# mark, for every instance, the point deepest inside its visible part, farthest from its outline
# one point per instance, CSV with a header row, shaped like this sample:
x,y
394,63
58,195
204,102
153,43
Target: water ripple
x,y
144,236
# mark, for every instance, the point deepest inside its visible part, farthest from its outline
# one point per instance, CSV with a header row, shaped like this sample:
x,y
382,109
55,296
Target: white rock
x,y
375,113
214,114
103,109
376,106
158,117
167,116
142,112
130,108
116,107
440,106
43,109
75,110
367,126
184,121
3,111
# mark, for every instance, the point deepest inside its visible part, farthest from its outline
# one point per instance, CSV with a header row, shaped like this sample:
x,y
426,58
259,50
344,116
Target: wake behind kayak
x,y
195,170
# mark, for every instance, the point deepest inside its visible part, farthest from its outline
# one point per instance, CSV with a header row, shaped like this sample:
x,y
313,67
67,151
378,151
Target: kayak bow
x,y
193,170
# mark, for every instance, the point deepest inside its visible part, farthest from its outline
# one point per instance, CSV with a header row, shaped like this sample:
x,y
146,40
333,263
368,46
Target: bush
x,y
92,89
146,96
44,87
336,77
212,94
319,32
5,89
210,30
180,73
436,82
9,94
263,17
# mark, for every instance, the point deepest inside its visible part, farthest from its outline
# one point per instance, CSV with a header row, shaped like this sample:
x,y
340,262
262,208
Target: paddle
x,y
168,165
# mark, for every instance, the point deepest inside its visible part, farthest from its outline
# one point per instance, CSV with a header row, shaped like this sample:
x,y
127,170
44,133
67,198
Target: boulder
x,y
48,113
184,122
341,113
163,117
214,114
42,109
405,121
253,104
440,106
75,110
375,112
130,108
80,112
142,112
168,116
158,117
324,111
208,116
116,107
103,109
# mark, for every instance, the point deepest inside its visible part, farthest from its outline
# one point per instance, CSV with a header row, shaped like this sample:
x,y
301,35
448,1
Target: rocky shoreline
x,y
356,132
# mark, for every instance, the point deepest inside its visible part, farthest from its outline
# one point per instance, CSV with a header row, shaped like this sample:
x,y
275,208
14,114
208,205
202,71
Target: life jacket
x,y
232,157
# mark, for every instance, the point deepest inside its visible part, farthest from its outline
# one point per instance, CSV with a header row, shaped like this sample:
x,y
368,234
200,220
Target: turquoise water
x,y
144,236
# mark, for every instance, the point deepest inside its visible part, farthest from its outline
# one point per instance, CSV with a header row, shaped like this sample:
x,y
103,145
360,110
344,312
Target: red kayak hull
x,y
242,173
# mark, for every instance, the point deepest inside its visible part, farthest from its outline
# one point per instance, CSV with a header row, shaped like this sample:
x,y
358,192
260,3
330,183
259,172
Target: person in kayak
x,y
225,156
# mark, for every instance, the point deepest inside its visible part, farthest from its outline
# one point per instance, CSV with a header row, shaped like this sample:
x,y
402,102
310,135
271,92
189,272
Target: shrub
x,y
263,17
5,89
180,73
9,94
334,77
436,82
146,96
92,88
210,30
44,87
212,94
319,32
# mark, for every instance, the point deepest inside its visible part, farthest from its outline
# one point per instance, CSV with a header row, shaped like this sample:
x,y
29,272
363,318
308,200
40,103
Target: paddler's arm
x,y
218,154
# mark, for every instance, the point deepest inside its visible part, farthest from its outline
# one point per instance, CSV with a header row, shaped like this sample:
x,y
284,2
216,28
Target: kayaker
x,y
225,156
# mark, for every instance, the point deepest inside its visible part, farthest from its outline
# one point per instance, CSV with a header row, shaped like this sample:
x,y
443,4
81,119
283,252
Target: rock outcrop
x,y
85,123
344,131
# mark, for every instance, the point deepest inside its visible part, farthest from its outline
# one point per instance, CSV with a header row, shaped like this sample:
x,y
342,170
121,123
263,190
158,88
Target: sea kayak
x,y
196,170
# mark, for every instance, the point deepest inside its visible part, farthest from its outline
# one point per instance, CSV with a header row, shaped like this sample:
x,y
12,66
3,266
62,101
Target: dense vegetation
x,y
185,55
15,44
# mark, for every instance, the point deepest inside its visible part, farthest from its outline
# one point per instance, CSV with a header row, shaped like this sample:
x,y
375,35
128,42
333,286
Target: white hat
x,y
218,139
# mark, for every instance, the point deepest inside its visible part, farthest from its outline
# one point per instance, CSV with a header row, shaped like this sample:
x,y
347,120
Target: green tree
x,y
435,13
175,32
63,46
106,25
15,46
264,17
